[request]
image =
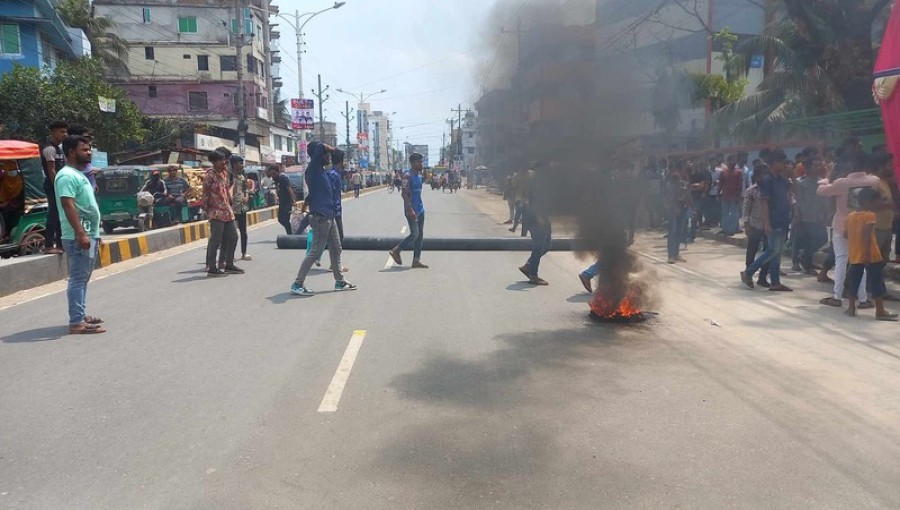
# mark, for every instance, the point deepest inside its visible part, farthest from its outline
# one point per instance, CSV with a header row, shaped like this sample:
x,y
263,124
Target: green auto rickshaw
x,y
117,189
24,212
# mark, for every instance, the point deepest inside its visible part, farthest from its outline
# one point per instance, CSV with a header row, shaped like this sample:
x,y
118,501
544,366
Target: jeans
x,y
415,237
284,217
324,232
730,216
53,228
512,209
755,239
241,220
541,236
177,205
874,277
519,215
222,240
841,258
677,230
809,238
339,221
771,255
711,210
81,265
356,188
592,271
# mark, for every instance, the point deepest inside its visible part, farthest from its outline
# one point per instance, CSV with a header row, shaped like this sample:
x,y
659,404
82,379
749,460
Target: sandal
x,y
92,320
889,317
86,329
830,301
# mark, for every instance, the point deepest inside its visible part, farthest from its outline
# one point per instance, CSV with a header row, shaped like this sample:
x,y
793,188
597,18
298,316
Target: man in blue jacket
x,y
321,205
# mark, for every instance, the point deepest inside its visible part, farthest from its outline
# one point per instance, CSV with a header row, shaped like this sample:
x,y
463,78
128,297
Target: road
x,y
467,389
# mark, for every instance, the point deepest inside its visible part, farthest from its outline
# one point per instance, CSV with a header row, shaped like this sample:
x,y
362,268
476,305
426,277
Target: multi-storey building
x,y
496,120
183,63
33,35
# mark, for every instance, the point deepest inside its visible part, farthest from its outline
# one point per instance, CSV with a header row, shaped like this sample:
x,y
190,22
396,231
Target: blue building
x,y
32,34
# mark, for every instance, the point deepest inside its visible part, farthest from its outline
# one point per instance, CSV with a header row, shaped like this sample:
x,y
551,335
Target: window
x,y
203,62
151,90
186,56
148,52
228,62
251,64
248,26
471,150
471,134
10,43
146,13
48,54
197,101
187,25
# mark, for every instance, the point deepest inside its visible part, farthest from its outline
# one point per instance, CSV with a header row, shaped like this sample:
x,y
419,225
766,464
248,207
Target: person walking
x,y
731,188
320,202
677,200
755,228
217,204
522,182
538,222
811,217
356,182
53,159
855,177
80,230
509,194
241,188
775,189
334,175
285,193
414,209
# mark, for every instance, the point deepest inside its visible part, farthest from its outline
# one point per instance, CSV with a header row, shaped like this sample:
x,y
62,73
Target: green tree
x,y
720,90
29,100
819,61
105,44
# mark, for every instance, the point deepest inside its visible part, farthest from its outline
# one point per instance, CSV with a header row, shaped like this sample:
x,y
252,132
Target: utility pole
x,y
346,115
459,110
239,56
321,100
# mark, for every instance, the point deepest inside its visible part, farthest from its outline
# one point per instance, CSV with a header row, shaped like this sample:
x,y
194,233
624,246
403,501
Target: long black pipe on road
x,y
286,242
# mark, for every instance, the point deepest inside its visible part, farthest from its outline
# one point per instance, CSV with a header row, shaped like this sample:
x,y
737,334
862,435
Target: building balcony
x,y
274,34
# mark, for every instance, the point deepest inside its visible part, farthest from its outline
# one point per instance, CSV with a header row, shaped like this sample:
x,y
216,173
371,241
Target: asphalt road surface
x,y
456,387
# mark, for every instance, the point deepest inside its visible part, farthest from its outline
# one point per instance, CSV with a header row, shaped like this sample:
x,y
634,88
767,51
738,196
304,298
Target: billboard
x,y
363,140
302,113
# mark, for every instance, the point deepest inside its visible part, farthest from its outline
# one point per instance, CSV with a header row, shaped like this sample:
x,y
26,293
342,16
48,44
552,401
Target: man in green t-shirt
x,y
80,221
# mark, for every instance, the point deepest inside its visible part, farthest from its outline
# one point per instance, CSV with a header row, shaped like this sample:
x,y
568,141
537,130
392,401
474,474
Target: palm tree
x,y
282,114
819,61
111,49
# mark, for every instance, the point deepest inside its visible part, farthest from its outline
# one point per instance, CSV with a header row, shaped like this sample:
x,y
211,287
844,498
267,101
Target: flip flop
x,y
92,320
87,329
830,301
850,313
888,317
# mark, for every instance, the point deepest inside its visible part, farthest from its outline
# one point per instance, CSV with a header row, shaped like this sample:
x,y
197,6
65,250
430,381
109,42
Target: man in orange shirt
x,y
865,255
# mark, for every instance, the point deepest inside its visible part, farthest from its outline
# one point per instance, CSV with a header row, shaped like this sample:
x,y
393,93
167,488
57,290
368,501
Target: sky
x,y
426,53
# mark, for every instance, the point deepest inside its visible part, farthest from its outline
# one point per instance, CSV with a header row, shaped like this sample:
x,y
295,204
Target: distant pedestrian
x,y
865,255
538,221
356,182
509,194
337,167
731,188
285,193
775,190
754,227
699,182
241,188
811,216
853,166
523,182
677,200
320,202
414,209
223,233
80,231
52,159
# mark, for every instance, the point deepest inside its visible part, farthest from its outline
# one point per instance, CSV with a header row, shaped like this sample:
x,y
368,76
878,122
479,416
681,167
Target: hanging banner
x,y
363,140
302,113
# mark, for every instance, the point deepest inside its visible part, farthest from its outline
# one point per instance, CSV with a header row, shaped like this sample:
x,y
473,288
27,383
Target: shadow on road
x,y
193,278
580,298
280,299
520,286
395,269
36,335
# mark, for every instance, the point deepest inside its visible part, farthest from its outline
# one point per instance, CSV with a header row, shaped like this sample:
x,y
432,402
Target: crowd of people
x,y
835,209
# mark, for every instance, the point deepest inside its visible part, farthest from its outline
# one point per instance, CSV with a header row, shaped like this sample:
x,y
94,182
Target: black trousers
x,y
284,217
241,220
53,229
756,239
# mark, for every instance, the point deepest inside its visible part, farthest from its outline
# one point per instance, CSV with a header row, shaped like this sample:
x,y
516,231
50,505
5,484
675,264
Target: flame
x,y
626,308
